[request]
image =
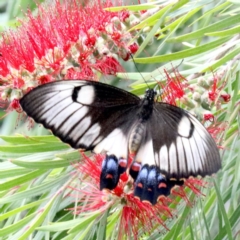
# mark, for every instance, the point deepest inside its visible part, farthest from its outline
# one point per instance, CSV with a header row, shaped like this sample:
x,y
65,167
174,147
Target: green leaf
x,y
6,173
131,7
59,226
202,31
223,212
35,191
19,180
46,164
222,60
152,19
18,139
183,54
101,233
20,209
161,14
224,33
39,218
33,148
16,226
84,223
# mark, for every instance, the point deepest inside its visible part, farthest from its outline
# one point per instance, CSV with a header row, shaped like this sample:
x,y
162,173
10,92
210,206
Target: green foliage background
x,y
35,171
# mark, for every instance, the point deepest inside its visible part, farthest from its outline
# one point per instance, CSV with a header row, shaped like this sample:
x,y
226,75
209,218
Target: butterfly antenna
x,y
139,71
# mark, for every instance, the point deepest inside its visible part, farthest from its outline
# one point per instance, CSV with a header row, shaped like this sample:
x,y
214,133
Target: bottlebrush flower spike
x,y
174,88
65,41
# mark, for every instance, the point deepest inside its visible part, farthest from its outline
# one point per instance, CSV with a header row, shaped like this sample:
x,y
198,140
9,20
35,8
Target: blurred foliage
x,y
35,170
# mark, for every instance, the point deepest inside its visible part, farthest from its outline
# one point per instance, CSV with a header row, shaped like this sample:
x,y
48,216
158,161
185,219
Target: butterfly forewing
x,y
83,113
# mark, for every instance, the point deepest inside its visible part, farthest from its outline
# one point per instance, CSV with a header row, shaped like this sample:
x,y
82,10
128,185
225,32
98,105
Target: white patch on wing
x,y
63,115
145,154
80,128
90,135
60,106
184,127
196,157
77,83
46,104
100,138
201,147
60,86
202,131
181,156
44,98
65,85
75,117
115,143
86,95
163,156
188,153
156,156
173,159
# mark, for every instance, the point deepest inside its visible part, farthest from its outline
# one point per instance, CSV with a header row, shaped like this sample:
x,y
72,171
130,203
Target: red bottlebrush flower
x,y
16,105
208,116
212,94
133,48
3,67
17,52
61,43
143,11
44,79
18,83
216,129
142,215
90,41
216,91
124,15
116,36
109,65
226,97
86,73
195,184
174,87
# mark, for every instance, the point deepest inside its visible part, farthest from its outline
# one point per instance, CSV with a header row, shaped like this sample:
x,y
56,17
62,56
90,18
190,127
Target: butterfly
x,y
167,143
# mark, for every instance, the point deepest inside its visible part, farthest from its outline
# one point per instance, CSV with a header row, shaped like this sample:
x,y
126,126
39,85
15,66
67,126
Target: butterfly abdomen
x,y
135,138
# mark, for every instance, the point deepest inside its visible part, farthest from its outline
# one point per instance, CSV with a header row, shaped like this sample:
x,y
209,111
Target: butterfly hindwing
x,y
182,145
83,113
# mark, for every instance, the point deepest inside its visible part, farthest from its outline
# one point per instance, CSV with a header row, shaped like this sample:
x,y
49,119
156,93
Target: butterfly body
x,y
167,143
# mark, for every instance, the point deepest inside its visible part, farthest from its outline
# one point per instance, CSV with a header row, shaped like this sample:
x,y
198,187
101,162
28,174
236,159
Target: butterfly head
x,y
150,94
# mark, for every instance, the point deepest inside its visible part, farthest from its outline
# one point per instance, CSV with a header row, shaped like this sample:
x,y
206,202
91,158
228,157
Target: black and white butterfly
x,y
168,143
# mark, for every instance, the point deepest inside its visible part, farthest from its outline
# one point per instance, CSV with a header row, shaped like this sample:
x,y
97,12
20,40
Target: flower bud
x,y
6,93
16,94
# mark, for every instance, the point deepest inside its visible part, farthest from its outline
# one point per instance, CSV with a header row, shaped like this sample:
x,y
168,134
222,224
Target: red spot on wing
x,y
109,176
136,167
162,185
123,163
